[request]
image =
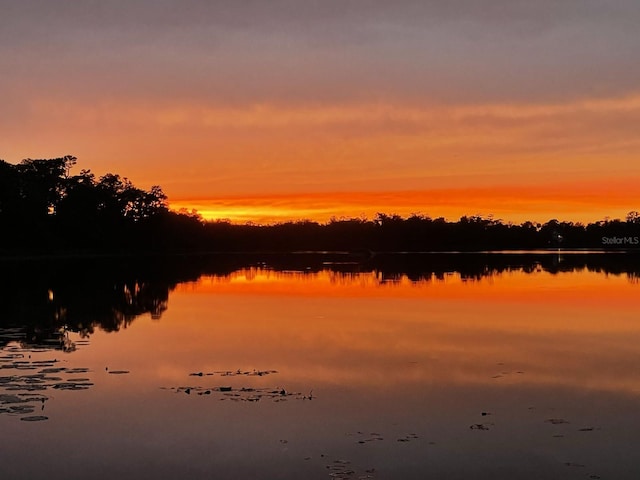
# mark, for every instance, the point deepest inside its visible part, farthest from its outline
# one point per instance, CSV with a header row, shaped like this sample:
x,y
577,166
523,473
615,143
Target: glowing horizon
x,y
268,112
585,203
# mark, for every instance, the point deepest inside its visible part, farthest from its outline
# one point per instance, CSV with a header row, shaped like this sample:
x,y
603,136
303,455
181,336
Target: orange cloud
x,y
271,162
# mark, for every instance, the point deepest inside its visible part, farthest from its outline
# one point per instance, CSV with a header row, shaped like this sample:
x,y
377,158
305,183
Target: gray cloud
x,y
321,51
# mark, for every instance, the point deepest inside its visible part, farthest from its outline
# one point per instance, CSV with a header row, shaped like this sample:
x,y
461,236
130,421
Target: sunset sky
x,y
274,110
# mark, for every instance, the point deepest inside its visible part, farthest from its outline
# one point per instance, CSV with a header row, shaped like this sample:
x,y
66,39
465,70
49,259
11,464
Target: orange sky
x,y
578,202
329,110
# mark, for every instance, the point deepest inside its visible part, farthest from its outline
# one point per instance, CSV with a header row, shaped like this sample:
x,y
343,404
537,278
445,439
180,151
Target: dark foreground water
x,y
456,367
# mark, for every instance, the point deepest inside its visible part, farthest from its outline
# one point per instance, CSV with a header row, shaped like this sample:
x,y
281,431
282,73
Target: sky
x,y
280,110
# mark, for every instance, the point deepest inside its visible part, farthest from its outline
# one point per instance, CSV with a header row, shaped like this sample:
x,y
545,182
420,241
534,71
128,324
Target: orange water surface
x,y
512,375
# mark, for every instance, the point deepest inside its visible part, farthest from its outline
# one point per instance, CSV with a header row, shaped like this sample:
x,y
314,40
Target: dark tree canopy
x,y
45,209
43,206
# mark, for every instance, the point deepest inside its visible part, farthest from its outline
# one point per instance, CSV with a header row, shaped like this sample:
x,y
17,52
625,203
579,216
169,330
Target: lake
x,y
485,366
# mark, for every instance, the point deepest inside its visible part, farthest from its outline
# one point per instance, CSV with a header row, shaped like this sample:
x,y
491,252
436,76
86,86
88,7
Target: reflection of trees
x,y
393,268
110,305
41,300
45,300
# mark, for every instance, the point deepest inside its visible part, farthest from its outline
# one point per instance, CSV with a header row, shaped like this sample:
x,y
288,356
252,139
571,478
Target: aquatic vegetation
x,y
240,394
16,389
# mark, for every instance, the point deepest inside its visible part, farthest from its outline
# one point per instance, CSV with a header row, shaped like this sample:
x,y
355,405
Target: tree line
x,y
43,208
46,209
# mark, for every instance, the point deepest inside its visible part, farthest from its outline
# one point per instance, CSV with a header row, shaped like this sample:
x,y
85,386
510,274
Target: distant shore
x,y
47,212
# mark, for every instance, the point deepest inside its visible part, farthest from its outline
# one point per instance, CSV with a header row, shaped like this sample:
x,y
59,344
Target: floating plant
x,y
21,392
242,394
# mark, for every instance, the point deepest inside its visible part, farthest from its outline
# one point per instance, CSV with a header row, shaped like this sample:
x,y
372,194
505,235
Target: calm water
x,y
494,368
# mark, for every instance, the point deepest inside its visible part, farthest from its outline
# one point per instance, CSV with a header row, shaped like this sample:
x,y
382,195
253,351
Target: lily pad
x,y
21,408
72,386
6,398
77,370
477,426
34,418
53,370
556,421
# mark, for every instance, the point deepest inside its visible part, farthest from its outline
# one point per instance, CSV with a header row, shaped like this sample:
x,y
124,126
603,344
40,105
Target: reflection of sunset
x,y
378,351
567,288
335,329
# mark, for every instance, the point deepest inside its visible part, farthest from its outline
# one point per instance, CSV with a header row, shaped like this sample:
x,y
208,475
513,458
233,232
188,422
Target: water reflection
x,y
41,300
41,310
480,366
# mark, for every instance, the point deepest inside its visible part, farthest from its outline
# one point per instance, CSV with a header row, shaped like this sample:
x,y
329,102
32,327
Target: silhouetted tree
x,y
44,208
633,217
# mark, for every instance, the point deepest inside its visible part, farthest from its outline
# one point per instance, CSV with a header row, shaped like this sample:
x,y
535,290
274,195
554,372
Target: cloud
x,y
269,148
303,51
232,97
